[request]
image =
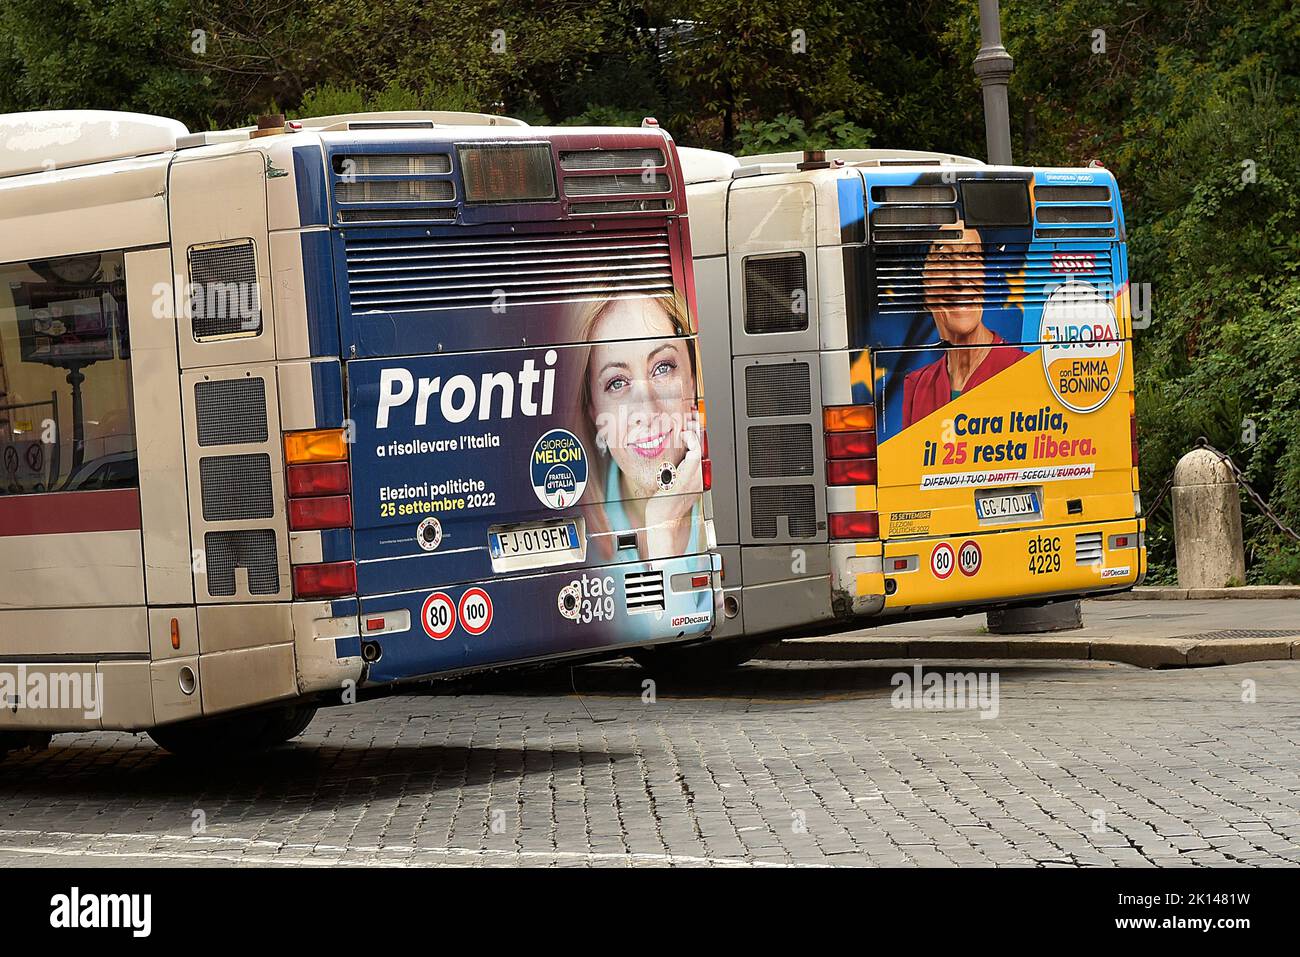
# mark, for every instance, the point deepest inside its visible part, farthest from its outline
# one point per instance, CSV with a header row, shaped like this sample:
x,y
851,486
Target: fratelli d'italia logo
x,y
559,468
1082,352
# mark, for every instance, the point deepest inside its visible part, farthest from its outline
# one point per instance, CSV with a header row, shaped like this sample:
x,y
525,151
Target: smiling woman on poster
x,y
954,298
638,399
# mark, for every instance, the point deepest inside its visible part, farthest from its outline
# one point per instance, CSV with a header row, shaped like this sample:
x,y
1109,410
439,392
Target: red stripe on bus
x,y
61,513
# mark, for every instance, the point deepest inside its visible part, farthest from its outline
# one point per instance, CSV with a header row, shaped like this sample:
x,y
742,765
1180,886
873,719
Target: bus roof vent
x,y
54,139
706,166
405,119
869,157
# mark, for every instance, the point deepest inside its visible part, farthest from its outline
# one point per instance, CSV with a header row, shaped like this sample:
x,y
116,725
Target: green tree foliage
x,y
1193,104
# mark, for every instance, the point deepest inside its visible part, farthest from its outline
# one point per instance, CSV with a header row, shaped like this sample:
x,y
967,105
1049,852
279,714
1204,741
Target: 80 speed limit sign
x,y
942,560
438,615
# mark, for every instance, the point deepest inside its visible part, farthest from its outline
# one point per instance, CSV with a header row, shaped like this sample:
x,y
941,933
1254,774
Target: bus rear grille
x,y
224,297
251,549
621,206
422,273
610,159
780,451
776,294
614,184
778,390
1087,548
644,591
1072,194
397,215
231,411
236,487
796,503
1011,274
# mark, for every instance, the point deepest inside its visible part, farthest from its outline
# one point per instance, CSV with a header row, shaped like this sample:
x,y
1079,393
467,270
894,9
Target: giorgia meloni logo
x,y
1082,352
559,468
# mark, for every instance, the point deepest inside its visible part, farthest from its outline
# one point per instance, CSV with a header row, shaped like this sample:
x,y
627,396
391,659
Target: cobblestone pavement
x,y
777,764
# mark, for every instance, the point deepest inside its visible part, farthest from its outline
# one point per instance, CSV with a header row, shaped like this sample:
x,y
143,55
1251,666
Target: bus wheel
x,y
236,733
699,660
287,724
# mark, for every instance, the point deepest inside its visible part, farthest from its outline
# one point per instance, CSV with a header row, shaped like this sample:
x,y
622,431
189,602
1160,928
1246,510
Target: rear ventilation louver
x,y
611,159
1087,548
644,591
619,174
796,504
419,274
1073,221
394,187
911,213
1010,273
780,451
778,390
236,487
224,298
231,411
776,294
250,549
615,184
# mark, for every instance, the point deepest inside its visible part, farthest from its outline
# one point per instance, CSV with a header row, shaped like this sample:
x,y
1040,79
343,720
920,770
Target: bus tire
x,y
698,660
234,734
286,725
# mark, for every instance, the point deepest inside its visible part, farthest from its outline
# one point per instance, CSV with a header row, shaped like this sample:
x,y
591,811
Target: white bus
x,y
291,411
921,387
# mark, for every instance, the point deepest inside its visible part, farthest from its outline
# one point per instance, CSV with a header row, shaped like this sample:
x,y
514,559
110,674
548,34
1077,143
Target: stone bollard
x,y
1037,619
1207,522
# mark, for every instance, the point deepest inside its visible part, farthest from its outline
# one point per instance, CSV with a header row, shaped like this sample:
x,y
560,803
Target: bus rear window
x,y
996,202
507,173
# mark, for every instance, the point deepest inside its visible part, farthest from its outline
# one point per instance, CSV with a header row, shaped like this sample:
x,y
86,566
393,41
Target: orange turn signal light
x,y
318,445
849,418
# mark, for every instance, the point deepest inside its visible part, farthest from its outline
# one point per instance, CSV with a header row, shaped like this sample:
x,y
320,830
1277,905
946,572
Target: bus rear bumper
x,y
998,568
582,612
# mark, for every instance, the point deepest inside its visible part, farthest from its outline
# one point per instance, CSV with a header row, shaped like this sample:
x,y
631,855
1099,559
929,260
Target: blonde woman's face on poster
x,y
642,390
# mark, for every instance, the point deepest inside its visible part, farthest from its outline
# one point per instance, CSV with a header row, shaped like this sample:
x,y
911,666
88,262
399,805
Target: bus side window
x,y
66,422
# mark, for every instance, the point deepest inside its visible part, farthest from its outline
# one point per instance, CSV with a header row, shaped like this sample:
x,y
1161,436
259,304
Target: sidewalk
x,y
1150,634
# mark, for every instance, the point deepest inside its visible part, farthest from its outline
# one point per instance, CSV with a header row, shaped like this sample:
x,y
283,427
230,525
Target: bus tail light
x,y
851,472
854,524
849,418
706,464
850,445
320,511
317,445
319,487
324,478
329,580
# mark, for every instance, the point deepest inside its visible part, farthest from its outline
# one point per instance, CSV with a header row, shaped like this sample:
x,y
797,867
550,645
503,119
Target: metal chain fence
x,y
1240,478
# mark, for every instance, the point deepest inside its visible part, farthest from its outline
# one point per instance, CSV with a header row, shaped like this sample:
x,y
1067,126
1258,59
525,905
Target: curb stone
x,y
1173,593
1148,653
